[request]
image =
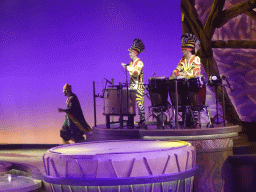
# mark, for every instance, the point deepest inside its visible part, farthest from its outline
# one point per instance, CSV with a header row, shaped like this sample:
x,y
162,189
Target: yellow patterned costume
x,y
136,82
191,67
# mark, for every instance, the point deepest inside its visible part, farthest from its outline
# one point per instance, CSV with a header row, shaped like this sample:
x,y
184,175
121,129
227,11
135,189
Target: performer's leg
x,y
141,108
65,135
65,142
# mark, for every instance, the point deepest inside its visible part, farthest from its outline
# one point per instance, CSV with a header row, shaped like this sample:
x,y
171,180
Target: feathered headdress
x,y
188,41
137,46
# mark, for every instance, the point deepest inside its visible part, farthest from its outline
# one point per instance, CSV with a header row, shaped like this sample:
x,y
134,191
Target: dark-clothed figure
x,y
74,125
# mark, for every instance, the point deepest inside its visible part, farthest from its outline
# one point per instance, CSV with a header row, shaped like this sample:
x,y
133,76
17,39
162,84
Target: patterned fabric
x,y
136,82
188,44
191,67
188,41
137,46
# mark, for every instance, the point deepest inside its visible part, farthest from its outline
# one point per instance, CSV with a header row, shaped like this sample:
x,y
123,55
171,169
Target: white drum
x,y
112,102
145,166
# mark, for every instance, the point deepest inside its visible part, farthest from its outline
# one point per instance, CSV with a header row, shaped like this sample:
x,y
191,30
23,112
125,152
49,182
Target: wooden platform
x,y
213,147
100,132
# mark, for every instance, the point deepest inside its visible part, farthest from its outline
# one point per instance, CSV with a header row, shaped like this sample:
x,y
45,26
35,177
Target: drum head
x,y
157,78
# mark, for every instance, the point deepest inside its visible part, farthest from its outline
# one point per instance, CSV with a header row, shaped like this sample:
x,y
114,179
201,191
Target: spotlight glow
x,y
9,176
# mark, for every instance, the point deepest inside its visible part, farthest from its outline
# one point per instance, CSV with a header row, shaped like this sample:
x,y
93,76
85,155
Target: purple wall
x,y
45,44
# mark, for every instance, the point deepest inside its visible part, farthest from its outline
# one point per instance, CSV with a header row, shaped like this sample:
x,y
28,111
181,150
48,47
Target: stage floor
x,y
32,157
33,154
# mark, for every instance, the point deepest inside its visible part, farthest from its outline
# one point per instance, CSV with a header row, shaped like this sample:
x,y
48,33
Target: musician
x,y
190,65
74,126
135,69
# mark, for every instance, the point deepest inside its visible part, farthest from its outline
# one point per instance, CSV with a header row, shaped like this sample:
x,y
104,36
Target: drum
x,y
158,91
114,97
197,90
182,90
112,166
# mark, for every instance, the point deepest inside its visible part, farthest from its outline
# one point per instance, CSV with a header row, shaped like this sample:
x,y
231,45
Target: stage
x,y
213,147
32,154
101,132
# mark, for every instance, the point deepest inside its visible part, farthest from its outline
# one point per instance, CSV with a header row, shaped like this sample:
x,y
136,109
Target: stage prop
x,y
213,147
19,177
186,110
190,102
214,18
188,96
118,101
121,166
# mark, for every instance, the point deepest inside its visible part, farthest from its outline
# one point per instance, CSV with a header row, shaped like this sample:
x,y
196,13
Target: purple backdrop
x,y
45,44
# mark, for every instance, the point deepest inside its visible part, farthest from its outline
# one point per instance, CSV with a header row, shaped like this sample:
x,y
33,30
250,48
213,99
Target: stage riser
x,y
210,158
213,147
111,134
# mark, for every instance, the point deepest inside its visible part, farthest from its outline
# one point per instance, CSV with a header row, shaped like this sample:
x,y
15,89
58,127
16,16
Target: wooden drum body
x,y
158,91
115,98
196,90
114,166
182,91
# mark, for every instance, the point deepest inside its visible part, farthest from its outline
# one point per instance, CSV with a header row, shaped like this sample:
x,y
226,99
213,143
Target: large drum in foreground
x,y
142,166
115,98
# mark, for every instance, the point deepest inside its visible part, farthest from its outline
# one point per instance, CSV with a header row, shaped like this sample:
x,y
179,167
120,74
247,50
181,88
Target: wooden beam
x,y
196,25
235,44
234,11
190,15
212,19
251,14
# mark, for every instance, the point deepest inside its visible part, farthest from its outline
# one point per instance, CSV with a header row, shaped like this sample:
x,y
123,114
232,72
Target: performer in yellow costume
x,y
135,69
190,65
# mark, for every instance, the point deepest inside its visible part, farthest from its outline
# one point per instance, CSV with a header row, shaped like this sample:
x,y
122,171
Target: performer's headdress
x,y
67,87
188,41
137,46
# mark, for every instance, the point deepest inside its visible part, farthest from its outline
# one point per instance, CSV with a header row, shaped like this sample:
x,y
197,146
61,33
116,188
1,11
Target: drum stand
x,y
162,110
189,109
176,110
217,117
199,109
